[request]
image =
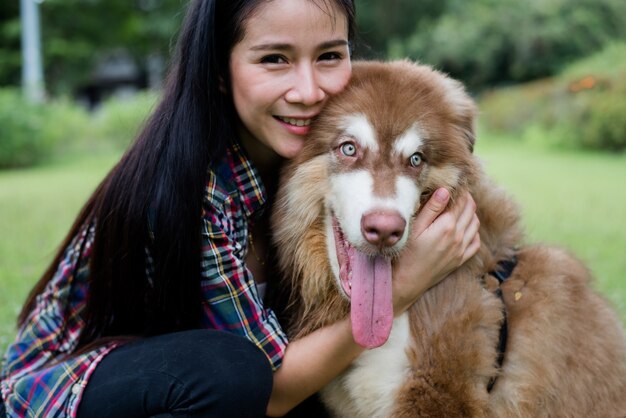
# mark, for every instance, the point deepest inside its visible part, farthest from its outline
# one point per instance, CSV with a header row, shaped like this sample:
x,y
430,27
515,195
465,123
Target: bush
x,y
583,107
67,126
598,121
32,133
510,109
21,139
486,42
119,120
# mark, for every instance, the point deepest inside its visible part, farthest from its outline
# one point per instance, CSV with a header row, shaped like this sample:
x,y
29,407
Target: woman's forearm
x,y
310,363
439,244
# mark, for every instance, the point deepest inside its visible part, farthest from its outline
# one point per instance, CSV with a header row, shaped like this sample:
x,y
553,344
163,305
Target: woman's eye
x,y
330,56
273,59
348,149
416,159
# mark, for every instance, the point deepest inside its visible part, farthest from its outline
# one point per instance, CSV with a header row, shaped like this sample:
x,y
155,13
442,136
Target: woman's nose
x,y
305,87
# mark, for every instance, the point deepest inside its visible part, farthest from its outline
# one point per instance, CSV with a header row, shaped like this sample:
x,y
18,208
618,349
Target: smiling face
x,y
293,56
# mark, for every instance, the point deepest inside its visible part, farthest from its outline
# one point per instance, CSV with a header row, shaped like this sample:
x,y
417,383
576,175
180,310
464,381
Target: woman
x,y
129,319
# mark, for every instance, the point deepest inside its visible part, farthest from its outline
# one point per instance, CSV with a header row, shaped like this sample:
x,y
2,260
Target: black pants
x,y
198,373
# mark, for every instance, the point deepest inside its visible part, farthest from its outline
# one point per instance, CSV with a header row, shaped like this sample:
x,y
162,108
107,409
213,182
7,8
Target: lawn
x,y
577,200
38,207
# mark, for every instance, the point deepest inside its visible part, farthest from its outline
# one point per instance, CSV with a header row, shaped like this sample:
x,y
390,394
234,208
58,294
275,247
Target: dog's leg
x,y
455,329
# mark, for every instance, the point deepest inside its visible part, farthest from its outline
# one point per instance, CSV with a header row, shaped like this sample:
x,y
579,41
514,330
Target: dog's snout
x,y
382,228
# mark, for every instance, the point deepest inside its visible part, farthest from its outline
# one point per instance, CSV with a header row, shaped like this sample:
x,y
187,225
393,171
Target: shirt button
x,y
76,388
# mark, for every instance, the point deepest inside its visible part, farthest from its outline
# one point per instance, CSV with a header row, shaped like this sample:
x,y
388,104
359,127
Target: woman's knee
x,y
238,363
227,370
196,373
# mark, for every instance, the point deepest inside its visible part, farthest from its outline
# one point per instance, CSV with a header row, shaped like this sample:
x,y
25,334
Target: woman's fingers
x,y
441,241
467,223
431,210
468,226
467,208
471,241
460,225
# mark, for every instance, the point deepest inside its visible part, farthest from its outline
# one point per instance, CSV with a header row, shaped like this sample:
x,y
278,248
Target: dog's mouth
x,y
366,280
344,252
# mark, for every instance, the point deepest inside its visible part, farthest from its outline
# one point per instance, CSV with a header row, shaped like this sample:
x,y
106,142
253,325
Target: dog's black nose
x,y
382,228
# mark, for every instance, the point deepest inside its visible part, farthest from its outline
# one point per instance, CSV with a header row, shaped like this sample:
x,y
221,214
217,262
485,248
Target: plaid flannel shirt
x,y
38,378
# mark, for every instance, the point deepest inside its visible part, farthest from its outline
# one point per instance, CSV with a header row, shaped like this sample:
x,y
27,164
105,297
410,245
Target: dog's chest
x,y
369,387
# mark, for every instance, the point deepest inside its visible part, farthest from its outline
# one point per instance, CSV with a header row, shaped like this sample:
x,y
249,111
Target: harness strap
x,y
502,272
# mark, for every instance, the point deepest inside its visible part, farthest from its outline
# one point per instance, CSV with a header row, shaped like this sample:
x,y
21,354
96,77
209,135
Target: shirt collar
x,y
245,178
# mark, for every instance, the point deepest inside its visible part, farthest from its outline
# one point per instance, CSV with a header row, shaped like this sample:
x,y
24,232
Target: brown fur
x,y
566,351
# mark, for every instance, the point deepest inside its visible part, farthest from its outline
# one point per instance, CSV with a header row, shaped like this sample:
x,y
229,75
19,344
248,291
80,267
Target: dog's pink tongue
x,y
371,303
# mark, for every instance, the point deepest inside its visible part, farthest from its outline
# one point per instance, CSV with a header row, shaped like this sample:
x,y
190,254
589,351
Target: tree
x,y
76,33
381,24
502,41
10,54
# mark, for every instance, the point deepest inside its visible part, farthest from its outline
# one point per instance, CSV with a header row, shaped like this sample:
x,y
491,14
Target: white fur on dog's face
x,y
358,127
408,143
353,192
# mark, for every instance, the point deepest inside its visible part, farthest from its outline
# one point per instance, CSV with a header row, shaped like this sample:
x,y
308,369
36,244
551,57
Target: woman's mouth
x,y
294,121
295,126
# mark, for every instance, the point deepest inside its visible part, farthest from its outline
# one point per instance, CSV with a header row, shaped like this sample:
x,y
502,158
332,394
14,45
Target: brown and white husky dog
x,y
343,212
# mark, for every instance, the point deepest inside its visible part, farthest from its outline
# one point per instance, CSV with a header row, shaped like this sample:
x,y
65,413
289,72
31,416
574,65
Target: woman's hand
x,y
440,242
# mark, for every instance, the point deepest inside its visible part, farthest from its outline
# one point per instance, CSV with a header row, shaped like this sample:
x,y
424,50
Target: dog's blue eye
x,y
348,149
416,159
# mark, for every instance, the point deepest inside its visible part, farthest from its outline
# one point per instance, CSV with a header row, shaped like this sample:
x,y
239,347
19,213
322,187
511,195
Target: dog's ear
x,y
465,110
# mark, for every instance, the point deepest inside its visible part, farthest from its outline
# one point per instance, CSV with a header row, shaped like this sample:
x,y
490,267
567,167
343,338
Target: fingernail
x,y
442,195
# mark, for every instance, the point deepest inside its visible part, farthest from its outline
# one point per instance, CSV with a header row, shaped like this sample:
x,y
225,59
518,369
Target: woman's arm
x,y
310,363
440,242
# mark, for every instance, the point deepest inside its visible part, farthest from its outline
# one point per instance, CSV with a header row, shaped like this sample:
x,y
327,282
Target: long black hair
x,y
161,178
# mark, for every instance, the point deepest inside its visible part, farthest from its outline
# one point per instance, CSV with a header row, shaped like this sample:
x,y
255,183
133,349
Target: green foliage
x,y
382,25
77,33
487,42
33,133
20,129
609,63
482,42
66,125
141,27
582,107
118,121
597,111
10,55
597,119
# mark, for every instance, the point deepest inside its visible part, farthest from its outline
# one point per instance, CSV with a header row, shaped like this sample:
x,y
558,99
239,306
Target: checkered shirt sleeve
x,y
231,300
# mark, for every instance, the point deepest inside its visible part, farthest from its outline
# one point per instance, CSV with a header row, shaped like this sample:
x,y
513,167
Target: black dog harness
x,y
502,272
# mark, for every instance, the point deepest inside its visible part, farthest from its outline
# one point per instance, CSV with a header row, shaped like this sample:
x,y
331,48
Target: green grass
x,y
38,207
576,200
573,199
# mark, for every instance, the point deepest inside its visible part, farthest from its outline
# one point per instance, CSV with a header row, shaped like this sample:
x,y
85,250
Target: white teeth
x,y
296,122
